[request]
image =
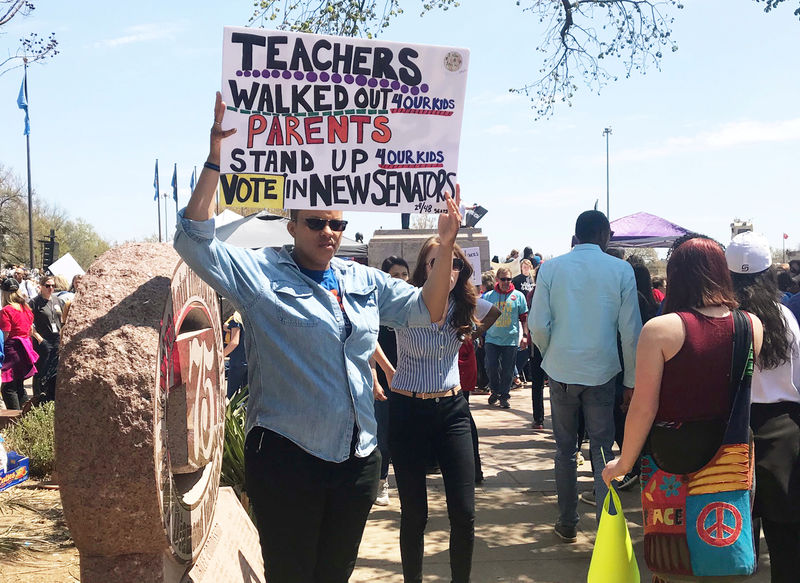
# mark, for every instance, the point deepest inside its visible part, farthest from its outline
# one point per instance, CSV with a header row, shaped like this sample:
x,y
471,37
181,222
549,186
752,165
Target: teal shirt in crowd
x,y
505,330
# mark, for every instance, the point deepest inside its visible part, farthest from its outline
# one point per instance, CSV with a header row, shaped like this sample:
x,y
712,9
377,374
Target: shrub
x,y
32,435
233,451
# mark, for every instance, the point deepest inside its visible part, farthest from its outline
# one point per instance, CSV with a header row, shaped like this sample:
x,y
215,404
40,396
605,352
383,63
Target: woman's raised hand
x,y
217,133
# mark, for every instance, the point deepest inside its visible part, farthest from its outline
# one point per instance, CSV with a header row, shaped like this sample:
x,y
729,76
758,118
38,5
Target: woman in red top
x,y
683,359
16,320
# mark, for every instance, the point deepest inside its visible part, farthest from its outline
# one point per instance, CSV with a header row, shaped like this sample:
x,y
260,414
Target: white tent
x,y
225,217
66,266
267,230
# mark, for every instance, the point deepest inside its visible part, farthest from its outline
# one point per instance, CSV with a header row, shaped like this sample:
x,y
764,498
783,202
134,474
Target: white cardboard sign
x,y
474,256
339,123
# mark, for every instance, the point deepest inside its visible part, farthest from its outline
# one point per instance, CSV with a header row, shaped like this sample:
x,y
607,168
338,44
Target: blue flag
x,y
193,179
155,181
22,103
175,183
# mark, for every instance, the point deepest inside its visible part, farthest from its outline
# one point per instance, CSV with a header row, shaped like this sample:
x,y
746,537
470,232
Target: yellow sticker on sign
x,y
257,191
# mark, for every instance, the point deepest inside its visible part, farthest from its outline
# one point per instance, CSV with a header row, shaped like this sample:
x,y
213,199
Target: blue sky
x,y
713,136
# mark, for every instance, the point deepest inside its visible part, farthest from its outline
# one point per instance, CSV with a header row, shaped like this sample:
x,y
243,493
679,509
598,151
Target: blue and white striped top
x,y
427,358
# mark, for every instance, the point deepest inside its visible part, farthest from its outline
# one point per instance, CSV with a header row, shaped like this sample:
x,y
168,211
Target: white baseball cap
x,y
748,252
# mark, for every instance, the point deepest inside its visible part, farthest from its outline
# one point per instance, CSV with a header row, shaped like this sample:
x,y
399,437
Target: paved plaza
x,y
515,512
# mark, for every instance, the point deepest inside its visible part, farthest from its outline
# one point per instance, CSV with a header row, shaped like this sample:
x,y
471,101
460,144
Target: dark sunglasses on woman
x,y
458,264
318,224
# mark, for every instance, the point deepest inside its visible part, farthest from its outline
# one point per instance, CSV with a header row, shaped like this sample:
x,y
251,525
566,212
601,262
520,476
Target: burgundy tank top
x,y
695,385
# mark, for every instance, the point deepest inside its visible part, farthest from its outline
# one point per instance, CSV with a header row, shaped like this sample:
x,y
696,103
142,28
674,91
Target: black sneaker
x,y
504,404
493,398
568,534
629,480
588,498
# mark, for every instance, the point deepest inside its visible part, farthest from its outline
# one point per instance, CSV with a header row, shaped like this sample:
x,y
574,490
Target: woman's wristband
x,y
211,166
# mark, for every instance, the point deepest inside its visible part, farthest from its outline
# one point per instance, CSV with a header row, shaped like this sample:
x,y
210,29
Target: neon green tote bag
x,y
613,560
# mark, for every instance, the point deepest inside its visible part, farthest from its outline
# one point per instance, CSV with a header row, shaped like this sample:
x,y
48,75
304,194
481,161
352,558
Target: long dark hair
x,y
758,293
648,306
463,292
698,275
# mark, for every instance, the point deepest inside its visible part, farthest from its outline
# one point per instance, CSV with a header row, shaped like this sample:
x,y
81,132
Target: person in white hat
x,y
775,413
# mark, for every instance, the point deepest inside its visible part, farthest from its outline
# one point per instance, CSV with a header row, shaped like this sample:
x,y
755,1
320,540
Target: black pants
x,y
310,513
783,542
537,386
415,425
14,395
44,381
473,429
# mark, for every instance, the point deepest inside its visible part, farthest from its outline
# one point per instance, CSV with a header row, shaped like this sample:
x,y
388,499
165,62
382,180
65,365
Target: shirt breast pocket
x,y
364,302
293,304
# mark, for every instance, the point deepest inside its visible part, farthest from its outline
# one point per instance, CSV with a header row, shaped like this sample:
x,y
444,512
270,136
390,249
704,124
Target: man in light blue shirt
x,y
311,324
582,300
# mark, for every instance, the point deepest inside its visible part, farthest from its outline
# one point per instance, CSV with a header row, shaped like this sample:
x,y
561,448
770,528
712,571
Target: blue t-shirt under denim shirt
x,y
327,279
309,380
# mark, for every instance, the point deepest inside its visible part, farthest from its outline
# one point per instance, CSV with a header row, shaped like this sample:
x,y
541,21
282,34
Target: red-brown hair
x,y
698,276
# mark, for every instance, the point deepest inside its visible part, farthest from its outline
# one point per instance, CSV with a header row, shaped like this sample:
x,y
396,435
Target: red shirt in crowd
x,y
14,322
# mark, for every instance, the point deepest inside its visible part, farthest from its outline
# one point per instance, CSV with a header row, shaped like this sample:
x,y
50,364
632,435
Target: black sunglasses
x,y
318,224
458,264
505,279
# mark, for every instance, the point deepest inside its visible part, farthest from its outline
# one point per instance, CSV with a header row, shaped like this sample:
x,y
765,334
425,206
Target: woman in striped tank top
x,y
427,411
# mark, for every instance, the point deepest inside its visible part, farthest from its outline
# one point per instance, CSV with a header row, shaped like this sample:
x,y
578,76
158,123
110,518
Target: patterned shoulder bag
x,y
697,486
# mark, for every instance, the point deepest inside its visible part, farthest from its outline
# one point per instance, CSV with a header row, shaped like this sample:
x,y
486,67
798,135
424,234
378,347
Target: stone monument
x,y
140,427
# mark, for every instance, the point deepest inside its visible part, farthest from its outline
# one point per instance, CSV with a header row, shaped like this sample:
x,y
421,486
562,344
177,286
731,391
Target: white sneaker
x,y
579,459
383,493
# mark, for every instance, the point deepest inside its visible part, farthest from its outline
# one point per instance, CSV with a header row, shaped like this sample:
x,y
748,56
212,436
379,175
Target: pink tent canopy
x,y
644,230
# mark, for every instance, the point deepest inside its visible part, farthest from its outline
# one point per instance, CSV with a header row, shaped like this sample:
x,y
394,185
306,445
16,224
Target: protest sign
x,y
339,123
474,256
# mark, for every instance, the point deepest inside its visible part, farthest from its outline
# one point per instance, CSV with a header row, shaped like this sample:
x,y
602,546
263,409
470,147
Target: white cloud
x,y
729,135
140,33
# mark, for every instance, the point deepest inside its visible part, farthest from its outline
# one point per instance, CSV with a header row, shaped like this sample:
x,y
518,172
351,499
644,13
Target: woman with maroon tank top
x,y
683,359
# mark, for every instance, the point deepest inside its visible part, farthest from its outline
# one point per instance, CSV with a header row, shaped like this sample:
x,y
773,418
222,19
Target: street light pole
x,y
606,133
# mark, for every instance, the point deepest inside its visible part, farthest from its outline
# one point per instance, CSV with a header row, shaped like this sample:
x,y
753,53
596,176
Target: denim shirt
x,y
309,380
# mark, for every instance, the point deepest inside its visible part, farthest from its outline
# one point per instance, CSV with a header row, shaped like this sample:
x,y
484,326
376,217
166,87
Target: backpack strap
x,y
740,377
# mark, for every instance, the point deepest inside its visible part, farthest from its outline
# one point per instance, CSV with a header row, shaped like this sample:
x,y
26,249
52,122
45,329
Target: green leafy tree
x,y
340,17
74,236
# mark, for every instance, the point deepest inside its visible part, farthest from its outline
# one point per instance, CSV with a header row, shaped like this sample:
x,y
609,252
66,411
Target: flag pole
x,y
158,202
30,191
166,229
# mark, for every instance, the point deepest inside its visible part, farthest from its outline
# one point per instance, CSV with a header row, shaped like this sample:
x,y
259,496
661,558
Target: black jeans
x,y
14,395
310,513
473,429
537,386
442,424
44,381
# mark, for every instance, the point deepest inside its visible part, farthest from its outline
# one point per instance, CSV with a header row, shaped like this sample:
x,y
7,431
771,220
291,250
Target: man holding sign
x,y
311,323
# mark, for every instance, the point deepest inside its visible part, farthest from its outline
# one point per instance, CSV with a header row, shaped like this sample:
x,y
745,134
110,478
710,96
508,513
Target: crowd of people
x,y
661,367
33,310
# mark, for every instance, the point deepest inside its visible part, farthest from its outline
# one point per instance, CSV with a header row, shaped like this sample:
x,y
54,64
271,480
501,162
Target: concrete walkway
x,y
515,508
